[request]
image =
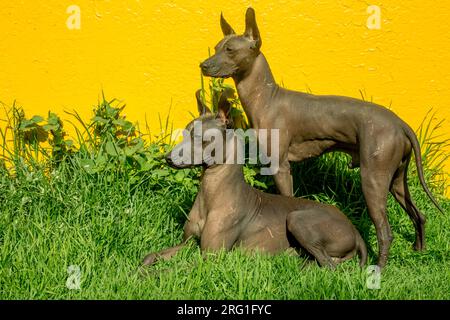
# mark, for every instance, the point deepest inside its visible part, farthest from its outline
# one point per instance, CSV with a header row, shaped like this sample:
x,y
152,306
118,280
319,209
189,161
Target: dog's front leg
x,y
165,254
219,232
283,178
195,221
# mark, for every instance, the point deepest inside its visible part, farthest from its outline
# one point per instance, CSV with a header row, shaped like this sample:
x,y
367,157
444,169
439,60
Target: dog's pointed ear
x,y
251,28
224,107
202,108
226,28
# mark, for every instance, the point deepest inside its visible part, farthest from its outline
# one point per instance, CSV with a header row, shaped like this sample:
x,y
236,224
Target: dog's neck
x,y
223,183
255,86
226,178
218,176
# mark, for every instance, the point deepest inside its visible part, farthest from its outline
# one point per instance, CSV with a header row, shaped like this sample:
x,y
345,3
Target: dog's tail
x,y
361,249
418,156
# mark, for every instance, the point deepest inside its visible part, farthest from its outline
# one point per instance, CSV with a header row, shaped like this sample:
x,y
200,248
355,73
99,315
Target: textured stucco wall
x,y
147,52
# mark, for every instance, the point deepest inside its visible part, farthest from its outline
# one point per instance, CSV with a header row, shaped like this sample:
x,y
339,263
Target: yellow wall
x,y
147,52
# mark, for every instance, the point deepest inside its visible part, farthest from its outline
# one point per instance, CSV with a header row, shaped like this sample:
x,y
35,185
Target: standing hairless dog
x,y
228,212
379,142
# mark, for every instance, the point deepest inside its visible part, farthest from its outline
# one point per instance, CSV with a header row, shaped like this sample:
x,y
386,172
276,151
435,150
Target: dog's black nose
x,y
204,65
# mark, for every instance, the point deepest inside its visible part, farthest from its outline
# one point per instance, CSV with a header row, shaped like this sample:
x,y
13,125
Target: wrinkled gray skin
x,y
379,142
230,213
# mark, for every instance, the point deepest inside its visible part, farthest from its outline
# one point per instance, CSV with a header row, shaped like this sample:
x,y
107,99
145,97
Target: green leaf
x,y
130,150
111,149
37,119
111,112
159,173
139,159
134,179
69,143
179,176
100,119
125,124
260,184
53,119
101,160
88,165
50,127
25,124
147,166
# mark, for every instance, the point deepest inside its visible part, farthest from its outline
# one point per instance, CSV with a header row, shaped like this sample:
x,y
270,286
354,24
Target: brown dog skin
x,y
228,213
379,142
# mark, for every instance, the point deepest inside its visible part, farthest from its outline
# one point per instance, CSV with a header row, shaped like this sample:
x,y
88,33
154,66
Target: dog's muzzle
x,y
205,67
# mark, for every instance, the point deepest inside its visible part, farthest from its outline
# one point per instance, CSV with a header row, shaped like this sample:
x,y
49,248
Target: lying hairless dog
x,y
379,142
229,213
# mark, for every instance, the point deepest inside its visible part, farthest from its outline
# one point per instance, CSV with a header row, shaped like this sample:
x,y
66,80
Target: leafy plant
x,y
217,87
108,145
60,147
435,152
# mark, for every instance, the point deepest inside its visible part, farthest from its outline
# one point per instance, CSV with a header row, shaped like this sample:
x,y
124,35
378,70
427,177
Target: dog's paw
x,y
150,259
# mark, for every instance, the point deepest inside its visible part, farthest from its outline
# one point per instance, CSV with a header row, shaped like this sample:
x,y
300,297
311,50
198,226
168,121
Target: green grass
x,y
104,208
106,228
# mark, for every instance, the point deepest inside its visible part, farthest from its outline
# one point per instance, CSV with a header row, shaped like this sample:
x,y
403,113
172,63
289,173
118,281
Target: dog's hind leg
x,y
322,257
380,159
400,191
302,226
375,186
